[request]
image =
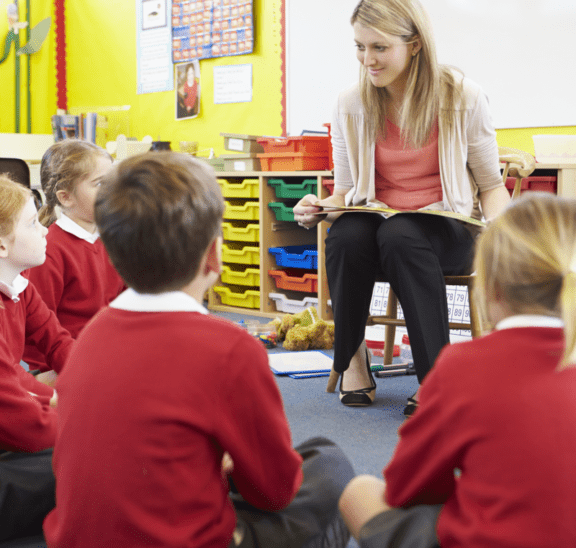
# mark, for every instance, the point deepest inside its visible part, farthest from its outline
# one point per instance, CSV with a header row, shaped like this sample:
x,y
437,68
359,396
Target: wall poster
x,y
211,28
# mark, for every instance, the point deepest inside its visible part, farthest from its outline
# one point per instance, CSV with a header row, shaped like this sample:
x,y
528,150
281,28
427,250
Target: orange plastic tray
x,y
286,279
293,161
309,144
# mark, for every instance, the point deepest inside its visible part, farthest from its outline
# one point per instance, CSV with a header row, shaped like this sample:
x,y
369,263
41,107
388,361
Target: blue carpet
x,y
367,435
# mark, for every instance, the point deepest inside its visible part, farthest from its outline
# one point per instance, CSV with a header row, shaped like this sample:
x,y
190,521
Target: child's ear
x,y
65,198
214,257
4,248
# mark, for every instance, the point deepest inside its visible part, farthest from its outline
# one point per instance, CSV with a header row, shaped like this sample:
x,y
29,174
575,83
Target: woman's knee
x,y
353,234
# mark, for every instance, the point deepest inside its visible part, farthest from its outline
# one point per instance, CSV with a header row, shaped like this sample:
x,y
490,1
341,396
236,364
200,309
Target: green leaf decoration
x,y
37,36
10,37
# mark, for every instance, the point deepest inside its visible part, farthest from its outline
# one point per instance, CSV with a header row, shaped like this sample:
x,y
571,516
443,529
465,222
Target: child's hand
x,y
54,400
227,465
48,377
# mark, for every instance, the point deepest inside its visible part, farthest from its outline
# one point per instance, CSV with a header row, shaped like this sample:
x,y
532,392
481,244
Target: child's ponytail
x,y
568,306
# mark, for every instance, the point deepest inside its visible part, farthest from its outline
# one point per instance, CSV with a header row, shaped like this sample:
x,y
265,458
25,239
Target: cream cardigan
x,y
467,150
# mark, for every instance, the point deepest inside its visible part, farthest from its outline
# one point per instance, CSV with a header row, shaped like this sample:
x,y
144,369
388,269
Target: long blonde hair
x,y
527,258
63,165
13,198
427,80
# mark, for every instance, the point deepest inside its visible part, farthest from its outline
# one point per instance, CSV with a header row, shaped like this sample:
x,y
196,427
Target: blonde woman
x,y
499,408
411,134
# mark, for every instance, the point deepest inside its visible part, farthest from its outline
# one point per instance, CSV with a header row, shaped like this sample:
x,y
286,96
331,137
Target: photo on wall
x,y
187,85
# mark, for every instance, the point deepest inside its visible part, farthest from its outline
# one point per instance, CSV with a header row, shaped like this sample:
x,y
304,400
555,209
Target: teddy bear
x,y
304,331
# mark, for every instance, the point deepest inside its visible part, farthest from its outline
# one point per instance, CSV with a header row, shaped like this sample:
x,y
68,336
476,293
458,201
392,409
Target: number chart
x,y
458,307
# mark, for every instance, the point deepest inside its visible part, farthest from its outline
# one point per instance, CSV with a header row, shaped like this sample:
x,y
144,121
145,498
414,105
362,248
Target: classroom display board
x,y
519,51
211,28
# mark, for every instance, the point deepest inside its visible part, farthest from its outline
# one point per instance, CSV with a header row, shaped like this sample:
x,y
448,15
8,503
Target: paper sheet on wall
x,y
232,84
153,46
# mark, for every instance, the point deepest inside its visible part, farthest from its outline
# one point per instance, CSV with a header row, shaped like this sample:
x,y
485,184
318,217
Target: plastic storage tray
x,y
292,306
293,190
310,144
237,253
329,184
248,188
282,211
293,161
246,299
241,232
241,162
290,279
296,256
242,143
246,276
248,211
542,184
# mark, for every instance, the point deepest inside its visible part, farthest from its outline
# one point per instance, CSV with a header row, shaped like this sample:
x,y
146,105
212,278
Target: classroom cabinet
x,y
258,217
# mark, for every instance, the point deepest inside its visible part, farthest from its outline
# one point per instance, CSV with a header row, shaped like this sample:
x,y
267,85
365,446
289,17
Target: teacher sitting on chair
x,y
412,134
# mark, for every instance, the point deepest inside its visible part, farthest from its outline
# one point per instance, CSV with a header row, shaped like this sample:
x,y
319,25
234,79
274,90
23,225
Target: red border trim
x,y
61,83
283,64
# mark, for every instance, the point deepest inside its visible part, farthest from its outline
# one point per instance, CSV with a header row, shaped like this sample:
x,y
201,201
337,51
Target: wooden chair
x,y
517,164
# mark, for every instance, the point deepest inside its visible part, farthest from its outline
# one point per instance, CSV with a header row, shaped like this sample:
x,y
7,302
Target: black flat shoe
x,y
361,397
411,406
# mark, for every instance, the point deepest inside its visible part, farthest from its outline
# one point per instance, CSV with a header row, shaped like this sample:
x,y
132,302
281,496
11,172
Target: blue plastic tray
x,y
297,256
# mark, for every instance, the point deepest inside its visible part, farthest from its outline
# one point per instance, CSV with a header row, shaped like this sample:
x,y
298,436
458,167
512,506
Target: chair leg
x,y
390,332
475,323
332,381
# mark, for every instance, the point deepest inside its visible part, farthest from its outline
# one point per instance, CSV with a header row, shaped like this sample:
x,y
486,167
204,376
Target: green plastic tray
x,y
294,190
282,211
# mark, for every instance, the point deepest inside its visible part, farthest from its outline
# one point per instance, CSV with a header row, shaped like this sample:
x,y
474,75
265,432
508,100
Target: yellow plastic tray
x,y
248,276
248,211
248,299
248,188
233,252
248,233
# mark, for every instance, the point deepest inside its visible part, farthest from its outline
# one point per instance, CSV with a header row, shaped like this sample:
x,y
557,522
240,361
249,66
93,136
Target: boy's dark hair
x,y
157,213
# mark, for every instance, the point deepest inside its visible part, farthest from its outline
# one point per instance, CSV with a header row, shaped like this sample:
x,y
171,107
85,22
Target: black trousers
x,y
27,488
312,520
413,252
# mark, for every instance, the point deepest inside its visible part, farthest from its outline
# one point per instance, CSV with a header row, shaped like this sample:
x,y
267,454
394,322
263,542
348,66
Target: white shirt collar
x,y
72,227
171,301
529,320
19,284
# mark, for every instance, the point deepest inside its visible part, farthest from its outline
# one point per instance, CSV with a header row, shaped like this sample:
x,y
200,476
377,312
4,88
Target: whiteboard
x,y
522,53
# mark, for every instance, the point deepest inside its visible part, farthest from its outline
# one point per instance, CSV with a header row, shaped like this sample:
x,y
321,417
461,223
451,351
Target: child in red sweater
x,y
27,406
140,460
77,278
499,409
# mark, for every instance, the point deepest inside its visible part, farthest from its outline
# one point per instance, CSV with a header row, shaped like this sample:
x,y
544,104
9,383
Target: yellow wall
x,y
102,72
43,74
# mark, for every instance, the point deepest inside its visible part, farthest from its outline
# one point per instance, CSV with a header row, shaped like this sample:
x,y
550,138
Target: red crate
x,y
293,161
330,157
310,144
329,184
286,279
542,184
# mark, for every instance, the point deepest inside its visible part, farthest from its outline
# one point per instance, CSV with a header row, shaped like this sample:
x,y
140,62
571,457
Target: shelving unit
x,y
272,233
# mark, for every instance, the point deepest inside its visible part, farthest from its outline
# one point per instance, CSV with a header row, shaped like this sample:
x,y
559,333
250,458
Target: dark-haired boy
x,y
144,461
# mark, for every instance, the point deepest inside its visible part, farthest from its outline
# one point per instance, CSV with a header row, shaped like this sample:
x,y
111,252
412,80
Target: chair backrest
x,y
518,164
16,169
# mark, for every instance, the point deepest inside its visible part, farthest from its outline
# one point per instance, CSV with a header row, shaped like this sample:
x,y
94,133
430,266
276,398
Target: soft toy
x,y
304,331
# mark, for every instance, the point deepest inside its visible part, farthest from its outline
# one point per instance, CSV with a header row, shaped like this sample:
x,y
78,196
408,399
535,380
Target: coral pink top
x,y
407,178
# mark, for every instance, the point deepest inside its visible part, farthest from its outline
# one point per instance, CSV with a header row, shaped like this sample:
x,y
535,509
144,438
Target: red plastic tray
x,y
329,184
310,144
542,184
286,279
293,161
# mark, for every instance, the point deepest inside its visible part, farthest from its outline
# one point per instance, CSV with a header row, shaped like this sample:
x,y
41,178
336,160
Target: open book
x,y
388,212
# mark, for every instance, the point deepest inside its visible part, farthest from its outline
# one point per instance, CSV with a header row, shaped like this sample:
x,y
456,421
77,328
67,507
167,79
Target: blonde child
x,y
77,278
499,409
27,414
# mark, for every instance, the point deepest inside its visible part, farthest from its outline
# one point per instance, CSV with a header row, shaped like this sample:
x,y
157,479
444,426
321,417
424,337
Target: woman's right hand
x,y
305,211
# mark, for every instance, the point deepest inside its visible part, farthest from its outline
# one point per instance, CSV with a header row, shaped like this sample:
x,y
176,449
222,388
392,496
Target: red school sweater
x,y
497,409
144,421
76,280
27,423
